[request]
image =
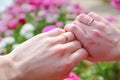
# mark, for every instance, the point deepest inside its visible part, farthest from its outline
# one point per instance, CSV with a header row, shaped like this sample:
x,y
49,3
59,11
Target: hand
x,y
48,56
100,38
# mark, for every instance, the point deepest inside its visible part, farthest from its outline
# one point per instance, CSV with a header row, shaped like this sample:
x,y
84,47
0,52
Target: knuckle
x,y
90,41
71,34
60,49
77,43
59,30
49,41
63,49
101,25
70,27
95,33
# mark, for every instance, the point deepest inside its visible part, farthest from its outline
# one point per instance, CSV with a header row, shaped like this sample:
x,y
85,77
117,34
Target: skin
x,y
100,38
47,56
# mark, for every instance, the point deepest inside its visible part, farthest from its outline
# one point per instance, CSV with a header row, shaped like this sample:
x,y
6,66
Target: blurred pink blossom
x,y
8,33
77,8
3,29
35,2
13,24
22,21
73,76
27,7
48,3
48,28
20,1
14,10
53,20
112,19
59,24
60,2
116,4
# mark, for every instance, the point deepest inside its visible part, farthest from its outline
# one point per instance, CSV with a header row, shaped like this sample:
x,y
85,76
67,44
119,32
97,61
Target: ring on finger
x,y
90,22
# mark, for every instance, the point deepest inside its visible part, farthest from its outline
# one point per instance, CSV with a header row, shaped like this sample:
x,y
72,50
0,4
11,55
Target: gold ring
x,y
90,22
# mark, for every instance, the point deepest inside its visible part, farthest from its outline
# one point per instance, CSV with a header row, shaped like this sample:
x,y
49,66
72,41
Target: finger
x,y
72,47
98,18
50,34
77,31
65,37
91,59
86,20
78,56
53,33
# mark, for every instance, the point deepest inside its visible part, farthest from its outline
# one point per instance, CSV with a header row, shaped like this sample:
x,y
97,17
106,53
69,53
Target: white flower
x,y
2,44
9,40
29,35
15,45
5,41
27,30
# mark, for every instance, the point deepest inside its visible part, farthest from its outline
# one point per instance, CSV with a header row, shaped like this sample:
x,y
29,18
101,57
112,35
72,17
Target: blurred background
x,y
23,19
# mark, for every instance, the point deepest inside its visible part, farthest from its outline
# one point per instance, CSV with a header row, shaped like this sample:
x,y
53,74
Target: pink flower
x,y
22,21
3,29
48,3
116,4
35,2
15,10
3,26
59,24
13,24
53,20
48,28
77,8
28,7
112,19
20,1
73,76
60,2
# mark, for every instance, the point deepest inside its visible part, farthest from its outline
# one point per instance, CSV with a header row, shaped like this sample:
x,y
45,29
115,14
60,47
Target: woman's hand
x,y
48,56
98,36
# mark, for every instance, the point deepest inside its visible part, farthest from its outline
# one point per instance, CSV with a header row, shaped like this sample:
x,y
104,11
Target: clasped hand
x,y
53,55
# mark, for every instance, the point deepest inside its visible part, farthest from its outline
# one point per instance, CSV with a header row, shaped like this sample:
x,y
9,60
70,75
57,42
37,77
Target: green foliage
x,y
98,71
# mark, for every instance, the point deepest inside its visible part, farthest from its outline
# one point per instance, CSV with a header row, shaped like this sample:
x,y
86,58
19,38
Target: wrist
x,y
8,70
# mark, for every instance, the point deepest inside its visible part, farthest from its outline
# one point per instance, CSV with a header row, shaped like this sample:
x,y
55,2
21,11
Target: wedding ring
x,y
90,22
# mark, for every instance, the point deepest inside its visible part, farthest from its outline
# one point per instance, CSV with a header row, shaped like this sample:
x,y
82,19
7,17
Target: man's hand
x,y
48,56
